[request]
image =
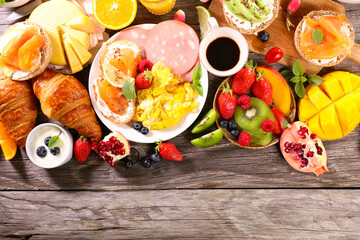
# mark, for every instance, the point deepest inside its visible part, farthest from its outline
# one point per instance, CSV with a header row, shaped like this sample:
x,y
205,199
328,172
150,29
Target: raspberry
x,y
244,139
145,64
244,101
267,125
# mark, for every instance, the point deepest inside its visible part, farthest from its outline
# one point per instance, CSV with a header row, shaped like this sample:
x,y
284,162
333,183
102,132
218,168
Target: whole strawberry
x,y
262,89
143,80
82,149
227,102
244,79
168,151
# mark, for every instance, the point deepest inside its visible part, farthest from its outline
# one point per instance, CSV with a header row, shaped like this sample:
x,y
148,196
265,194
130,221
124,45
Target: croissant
x,y
18,109
65,99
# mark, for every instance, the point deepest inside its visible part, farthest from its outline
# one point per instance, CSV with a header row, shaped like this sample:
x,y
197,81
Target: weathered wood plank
x,y
185,214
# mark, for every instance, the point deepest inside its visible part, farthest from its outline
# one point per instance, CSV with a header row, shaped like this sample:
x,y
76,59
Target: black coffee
x,y
223,53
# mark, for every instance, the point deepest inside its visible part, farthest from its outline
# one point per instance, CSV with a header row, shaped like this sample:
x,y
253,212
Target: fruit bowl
x,y
290,118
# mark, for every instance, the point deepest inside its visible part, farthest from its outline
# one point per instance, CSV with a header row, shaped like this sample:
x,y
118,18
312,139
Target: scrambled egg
x,y
166,101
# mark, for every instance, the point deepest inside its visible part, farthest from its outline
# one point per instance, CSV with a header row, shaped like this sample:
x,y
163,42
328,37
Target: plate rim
x,y
151,138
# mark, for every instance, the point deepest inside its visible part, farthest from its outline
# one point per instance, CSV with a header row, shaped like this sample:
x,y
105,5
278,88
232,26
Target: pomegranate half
x,y
303,150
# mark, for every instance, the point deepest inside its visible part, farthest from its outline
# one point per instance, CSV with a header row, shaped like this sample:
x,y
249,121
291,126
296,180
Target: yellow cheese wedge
x,y
82,23
74,63
50,15
82,54
81,36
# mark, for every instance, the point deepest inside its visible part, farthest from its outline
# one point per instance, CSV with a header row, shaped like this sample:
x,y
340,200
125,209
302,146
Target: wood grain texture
x,y
181,214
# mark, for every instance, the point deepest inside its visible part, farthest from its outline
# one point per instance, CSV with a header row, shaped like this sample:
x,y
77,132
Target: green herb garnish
x,y
196,76
129,90
317,36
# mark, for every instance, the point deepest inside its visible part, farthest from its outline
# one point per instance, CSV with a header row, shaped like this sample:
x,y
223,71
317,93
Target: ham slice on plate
x,y
187,77
136,35
175,43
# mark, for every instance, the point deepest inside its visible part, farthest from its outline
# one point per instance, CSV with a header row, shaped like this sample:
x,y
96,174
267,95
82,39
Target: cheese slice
x,y
50,15
73,61
82,23
81,36
82,54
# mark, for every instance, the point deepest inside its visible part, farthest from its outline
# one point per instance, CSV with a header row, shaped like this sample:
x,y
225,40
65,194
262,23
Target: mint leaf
x,y
317,36
298,69
54,141
315,80
2,2
300,89
198,88
303,79
287,74
196,76
295,79
129,90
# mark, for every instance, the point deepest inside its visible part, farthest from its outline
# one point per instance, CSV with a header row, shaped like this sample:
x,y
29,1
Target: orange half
x,y
8,146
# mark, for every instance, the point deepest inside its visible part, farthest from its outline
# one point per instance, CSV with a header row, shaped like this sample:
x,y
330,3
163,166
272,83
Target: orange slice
x,y
8,146
115,14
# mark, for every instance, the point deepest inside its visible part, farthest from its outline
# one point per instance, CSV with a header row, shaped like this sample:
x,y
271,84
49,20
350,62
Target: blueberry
x,y
137,125
55,151
41,151
147,162
155,157
144,130
235,134
46,141
263,36
232,124
128,164
224,123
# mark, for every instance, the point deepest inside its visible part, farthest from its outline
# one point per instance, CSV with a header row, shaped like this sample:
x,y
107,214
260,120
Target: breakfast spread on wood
x,y
148,83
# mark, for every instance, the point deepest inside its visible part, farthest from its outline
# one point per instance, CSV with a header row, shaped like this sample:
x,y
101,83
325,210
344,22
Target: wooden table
x,y
220,192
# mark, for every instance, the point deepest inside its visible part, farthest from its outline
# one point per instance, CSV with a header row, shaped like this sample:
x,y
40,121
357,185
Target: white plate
x,y
16,3
126,129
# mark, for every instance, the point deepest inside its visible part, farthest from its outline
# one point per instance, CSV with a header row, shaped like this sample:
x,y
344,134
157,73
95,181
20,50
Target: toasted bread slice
x,y
46,52
322,62
238,24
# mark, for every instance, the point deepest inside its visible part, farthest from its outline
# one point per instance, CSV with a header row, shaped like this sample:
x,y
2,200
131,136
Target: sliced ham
x,y
136,35
187,77
175,43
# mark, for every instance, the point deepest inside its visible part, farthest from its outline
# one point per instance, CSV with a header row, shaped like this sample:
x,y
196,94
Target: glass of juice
x,y
158,7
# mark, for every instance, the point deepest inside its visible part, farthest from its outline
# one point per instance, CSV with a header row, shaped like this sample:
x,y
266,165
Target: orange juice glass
x,y
158,7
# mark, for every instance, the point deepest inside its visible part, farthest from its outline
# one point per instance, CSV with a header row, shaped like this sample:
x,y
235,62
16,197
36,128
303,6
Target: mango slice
x,y
332,110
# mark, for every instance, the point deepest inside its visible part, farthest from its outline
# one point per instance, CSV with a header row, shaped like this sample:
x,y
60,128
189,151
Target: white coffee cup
x,y
219,32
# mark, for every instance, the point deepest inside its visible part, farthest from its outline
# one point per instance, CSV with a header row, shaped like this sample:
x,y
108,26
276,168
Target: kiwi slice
x,y
209,139
251,118
263,141
206,122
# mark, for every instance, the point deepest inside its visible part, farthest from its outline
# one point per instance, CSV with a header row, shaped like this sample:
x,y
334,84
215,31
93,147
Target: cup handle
x,y
212,23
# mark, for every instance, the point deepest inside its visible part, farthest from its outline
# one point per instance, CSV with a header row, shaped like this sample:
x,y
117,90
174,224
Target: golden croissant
x,y
65,99
18,109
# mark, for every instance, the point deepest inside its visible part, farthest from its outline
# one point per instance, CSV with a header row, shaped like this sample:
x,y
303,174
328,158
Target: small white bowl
x,y
16,3
36,139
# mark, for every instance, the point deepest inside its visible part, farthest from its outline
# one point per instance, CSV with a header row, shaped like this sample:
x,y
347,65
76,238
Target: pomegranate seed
x,y
300,132
310,154
95,146
303,136
102,155
103,148
121,145
319,152
101,143
299,145
305,130
286,145
313,136
117,142
303,165
304,146
113,139
316,144
287,150
122,151
299,152
108,144
304,161
292,145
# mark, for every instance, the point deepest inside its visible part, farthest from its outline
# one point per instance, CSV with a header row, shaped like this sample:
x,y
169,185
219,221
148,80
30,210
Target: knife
x,y
23,11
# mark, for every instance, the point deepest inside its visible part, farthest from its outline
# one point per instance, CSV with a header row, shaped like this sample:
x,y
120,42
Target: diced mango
x,y
306,109
355,96
73,61
318,97
347,110
82,23
345,83
355,80
330,123
81,53
332,88
314,125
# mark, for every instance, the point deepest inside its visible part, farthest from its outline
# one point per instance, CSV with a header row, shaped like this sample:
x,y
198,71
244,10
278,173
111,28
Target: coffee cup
x,y
223,50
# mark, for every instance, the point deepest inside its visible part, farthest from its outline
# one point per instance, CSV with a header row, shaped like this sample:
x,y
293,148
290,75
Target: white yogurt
x,y
36,139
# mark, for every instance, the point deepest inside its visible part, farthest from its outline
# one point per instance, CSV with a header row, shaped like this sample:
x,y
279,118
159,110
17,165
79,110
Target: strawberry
x,y
227,102
244,79
144,80
280,121
168,151
82,149
262,89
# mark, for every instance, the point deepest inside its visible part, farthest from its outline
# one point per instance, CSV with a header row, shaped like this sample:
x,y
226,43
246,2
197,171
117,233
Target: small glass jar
x,y
158,7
